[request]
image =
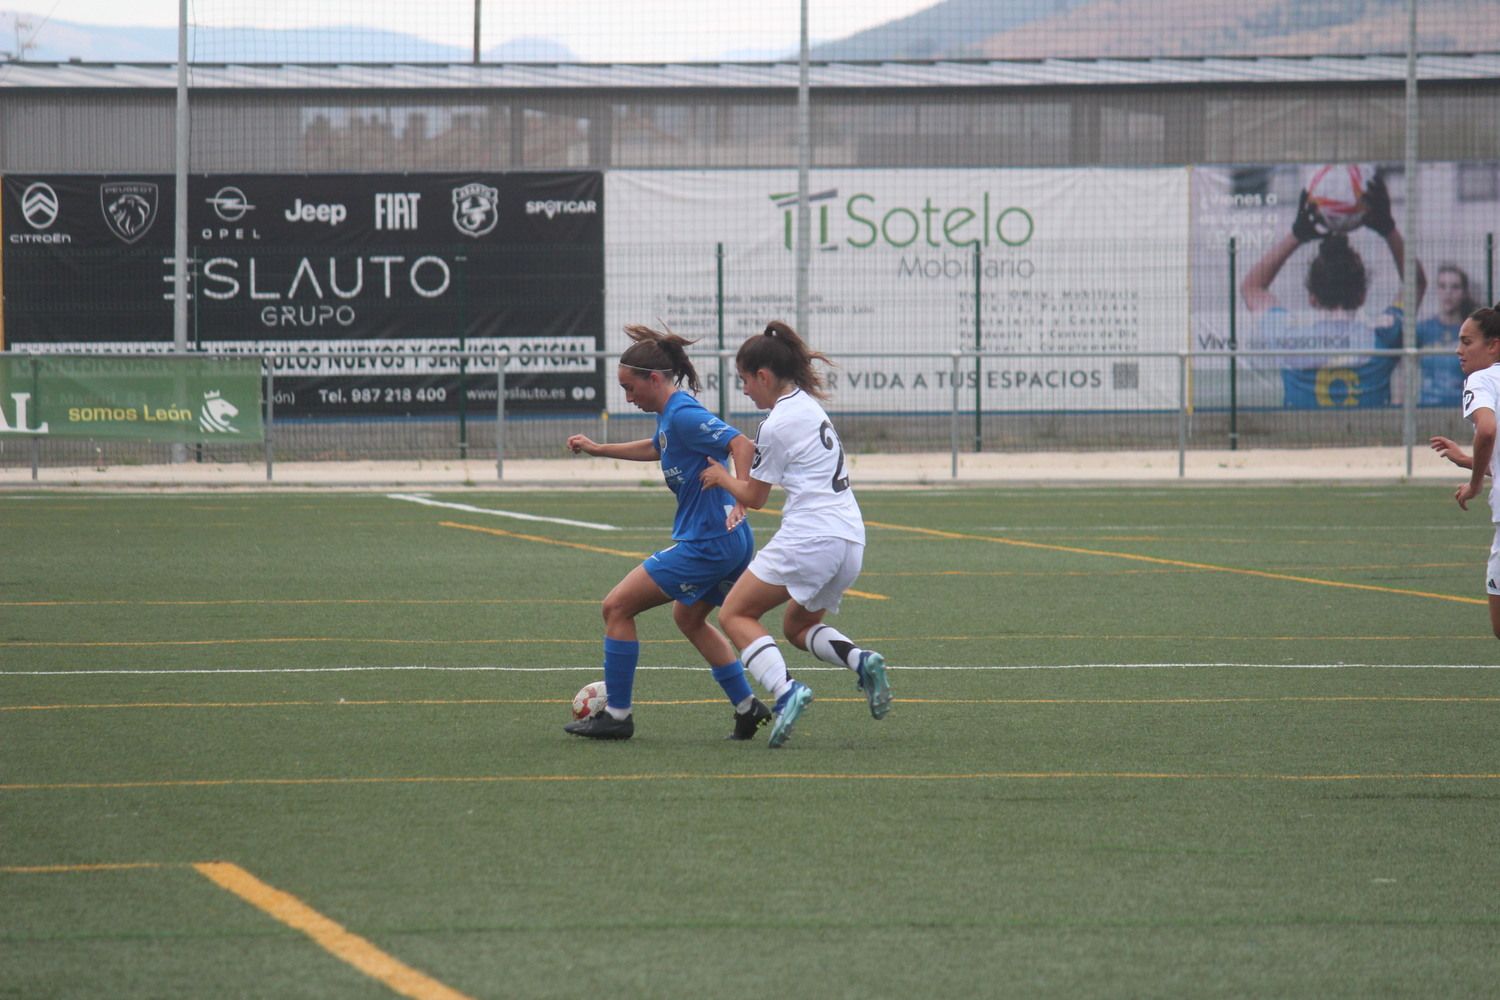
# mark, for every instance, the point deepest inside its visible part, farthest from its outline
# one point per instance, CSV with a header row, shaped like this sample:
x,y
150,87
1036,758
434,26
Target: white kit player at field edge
x,y
816,555
1479,358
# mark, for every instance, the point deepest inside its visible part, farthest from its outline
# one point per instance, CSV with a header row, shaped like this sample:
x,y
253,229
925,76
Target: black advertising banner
x,y
378,269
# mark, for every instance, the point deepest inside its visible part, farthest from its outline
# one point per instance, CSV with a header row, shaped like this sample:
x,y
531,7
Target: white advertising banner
x,y
1090,262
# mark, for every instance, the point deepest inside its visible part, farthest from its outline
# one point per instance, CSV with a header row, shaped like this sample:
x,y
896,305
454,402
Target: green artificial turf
x,y
1146,742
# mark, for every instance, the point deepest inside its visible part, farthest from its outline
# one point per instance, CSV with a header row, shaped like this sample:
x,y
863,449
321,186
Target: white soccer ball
x,y
589,700
1337,191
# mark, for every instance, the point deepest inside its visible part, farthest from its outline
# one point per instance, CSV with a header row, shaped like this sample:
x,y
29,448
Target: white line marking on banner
x,y
428,501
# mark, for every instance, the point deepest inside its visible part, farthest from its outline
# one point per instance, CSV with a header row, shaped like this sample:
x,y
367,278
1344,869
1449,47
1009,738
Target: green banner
x,y
169,399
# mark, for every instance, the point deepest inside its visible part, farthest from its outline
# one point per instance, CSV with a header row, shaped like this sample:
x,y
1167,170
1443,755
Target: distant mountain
x,y
1146,28
1095,29
59,41
951,29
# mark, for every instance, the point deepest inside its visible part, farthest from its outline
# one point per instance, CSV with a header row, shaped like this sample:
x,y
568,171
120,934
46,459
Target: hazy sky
x,y
594,30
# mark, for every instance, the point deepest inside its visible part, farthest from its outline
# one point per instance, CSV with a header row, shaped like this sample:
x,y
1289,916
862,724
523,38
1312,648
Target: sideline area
x,y
924,468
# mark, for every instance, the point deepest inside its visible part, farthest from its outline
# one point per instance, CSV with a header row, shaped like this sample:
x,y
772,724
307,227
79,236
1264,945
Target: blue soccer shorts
x,y
702,569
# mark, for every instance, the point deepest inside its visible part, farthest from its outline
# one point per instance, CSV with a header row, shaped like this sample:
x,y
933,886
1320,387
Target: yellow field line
x,y
596,548
330,936
290,601
69,869
1182,563
1125,572
544,540
897,639
1380,698
283,906
527,779
351,703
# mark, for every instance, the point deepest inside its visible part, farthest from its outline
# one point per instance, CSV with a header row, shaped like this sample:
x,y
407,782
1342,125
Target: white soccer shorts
x,y
816,572
1492,571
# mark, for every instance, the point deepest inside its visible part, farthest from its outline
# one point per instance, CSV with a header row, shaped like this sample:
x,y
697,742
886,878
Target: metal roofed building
x,y
89,118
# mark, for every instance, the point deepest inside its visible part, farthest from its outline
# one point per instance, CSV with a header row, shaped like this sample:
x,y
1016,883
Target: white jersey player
x,y
817,553
1479,357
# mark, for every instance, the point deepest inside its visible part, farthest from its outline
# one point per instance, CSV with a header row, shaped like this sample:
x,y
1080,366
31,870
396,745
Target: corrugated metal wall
x,y
131,130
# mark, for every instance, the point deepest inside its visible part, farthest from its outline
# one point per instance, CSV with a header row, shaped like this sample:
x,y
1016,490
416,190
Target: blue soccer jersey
x,y
687,435
1341,379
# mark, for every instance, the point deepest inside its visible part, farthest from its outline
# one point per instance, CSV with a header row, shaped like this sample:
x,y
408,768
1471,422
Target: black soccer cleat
x,y
748,721
603,726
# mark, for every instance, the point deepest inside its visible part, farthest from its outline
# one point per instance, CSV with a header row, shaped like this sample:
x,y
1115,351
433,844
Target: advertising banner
x,y
381,266
168,399
1085,261
1318,258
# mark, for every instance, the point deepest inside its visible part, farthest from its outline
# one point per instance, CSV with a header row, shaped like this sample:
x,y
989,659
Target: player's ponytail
x,y
785,355
654,351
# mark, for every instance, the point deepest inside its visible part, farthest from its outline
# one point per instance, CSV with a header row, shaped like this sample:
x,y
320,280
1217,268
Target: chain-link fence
x,y
1103,205
970,408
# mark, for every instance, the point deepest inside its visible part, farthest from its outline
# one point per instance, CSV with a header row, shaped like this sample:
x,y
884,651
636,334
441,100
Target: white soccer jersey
x,y
798,448
1482,392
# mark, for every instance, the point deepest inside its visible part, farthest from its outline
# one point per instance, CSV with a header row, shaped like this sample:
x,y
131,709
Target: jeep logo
x,y
302,212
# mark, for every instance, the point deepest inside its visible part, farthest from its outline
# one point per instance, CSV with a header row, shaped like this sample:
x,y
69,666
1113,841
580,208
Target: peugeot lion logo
x,y
129,208
39,205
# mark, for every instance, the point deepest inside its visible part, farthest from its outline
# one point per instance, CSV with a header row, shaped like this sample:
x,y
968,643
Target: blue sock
x,y
620,657
731,677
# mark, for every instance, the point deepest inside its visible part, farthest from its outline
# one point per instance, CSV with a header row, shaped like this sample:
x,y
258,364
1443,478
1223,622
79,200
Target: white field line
x,y
594,668
428,501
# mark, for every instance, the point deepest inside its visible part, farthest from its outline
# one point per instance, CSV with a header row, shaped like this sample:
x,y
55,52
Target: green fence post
x,y
978,347
723,388
1489,269
270,365
1234,346
463,361
36,439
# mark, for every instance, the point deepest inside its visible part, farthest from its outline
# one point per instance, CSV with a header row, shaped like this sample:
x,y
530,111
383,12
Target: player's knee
x,y
686,619
613,609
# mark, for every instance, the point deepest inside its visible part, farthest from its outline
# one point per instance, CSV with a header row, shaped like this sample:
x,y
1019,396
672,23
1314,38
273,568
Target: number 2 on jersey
x,y
831,441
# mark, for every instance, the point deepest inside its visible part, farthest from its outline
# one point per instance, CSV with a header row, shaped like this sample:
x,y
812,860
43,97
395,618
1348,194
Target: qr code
x,y
1127,375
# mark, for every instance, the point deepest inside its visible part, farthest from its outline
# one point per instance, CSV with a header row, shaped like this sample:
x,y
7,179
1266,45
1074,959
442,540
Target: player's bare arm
x,y
742,451
752,493
1449,449
643,450
1484,447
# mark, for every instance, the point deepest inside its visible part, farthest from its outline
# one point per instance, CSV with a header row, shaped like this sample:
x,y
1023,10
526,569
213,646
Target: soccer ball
x,y
1337,191
589,700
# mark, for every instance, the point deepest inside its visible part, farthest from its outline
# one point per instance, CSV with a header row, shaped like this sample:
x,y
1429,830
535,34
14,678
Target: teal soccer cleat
x,y
788,710
873,683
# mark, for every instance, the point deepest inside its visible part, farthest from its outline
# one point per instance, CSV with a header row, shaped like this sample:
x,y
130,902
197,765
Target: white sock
x,y
832,646
619,714
744,706
764,662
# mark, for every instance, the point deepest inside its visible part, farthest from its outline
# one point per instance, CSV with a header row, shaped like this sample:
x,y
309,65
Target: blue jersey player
x,y
712,541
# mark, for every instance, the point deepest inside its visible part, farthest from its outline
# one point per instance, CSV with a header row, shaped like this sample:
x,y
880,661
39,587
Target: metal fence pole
x,y
953,434
500,415
270,411
978,347
1182,426
1489,269
36,439
723,388
1234,346
1409,372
